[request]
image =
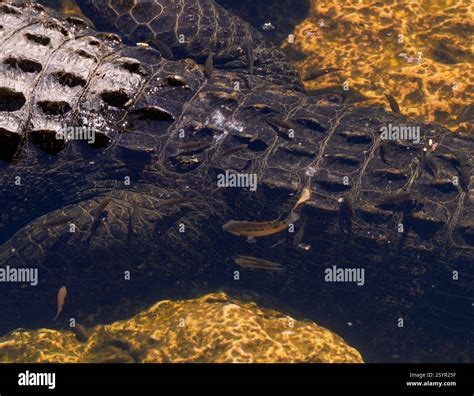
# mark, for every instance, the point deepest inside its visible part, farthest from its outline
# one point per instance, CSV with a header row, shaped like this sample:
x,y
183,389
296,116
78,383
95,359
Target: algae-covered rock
x,y
391,47
212,328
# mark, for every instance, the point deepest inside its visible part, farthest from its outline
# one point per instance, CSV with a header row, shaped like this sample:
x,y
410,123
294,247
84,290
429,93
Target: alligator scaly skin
x,y
56,71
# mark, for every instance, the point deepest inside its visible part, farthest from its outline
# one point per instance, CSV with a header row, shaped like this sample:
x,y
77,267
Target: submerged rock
x,y
212,328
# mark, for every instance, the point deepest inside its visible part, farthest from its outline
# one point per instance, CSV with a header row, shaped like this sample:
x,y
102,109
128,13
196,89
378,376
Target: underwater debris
x,y
278,243
267,26
257,263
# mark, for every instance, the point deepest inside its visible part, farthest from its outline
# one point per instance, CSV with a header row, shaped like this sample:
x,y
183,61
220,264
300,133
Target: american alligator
x,y
206,95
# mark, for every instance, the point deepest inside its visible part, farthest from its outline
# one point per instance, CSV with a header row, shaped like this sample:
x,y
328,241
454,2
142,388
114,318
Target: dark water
x,y
304,294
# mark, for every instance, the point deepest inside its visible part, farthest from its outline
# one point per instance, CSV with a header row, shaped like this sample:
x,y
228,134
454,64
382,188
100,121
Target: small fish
x,y
164,49
277,243
99,212
314,74
59,221
467,113
344,159
249,55
260,228
62,293
192,147
347,207
281,123
299,235
175,201
441,54
257,263
393,104
298,150
430,166
304,246
82,335
462,165
391,174
337,95
234,150
209,65
263,108
453,159
464,177
134,219
383,151
304,197
396,199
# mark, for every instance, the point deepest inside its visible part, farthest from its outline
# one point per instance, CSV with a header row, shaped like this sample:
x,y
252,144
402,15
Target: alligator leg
x,y
109,237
